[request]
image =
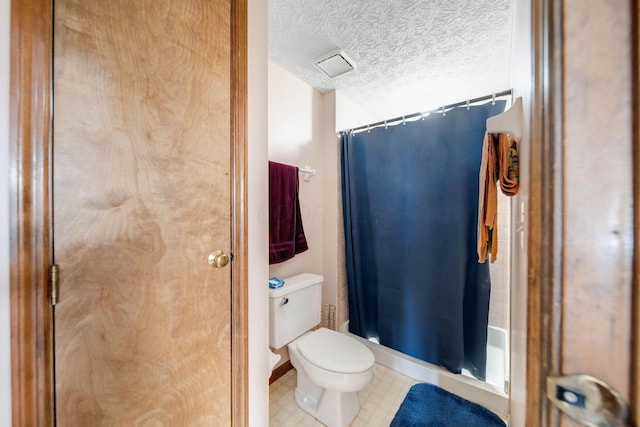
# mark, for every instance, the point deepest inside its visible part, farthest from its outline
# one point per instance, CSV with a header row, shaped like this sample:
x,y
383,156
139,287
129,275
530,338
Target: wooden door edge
x,y
545,200
634,402
31,314
545,285
240,271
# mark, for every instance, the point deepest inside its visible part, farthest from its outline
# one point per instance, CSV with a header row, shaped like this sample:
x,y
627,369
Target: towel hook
x,y
493,99
369,128
468,106
385,125
403,121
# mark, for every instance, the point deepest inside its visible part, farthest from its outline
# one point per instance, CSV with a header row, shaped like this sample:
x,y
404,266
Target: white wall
x,y
334,257
258,227
5,343
302,132
350,115
295,116
521,74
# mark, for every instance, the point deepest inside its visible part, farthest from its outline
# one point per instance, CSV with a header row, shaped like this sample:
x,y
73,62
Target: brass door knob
x,y
218,259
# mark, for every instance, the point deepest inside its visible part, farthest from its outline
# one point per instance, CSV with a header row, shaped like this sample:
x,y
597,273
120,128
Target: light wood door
x,y
141,196
598,241
584,290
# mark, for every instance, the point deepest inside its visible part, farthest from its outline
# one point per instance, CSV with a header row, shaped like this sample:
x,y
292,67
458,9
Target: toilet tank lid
x,y
295,283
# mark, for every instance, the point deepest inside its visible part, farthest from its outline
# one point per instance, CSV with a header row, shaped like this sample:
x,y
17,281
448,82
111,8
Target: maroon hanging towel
x,y
286,234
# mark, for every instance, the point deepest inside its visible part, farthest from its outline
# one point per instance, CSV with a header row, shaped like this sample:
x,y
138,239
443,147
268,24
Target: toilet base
x,y
332,408
330,397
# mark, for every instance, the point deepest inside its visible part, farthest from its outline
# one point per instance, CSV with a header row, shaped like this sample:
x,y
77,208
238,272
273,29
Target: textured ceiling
x,y
410,55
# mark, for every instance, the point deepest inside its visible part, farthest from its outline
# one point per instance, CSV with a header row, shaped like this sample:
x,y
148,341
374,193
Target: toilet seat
x,y
335,352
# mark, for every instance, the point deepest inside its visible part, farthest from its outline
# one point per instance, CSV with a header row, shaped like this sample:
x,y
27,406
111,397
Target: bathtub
x,y
498,358
491,394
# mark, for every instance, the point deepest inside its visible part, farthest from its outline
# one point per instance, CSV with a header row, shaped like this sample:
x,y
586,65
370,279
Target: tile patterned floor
x,y
378,402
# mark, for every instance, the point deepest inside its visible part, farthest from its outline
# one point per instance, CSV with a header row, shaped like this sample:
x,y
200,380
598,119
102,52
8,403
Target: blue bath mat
x,y
429,406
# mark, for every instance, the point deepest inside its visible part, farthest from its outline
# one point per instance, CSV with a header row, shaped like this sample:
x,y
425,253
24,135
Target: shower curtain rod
x,y
397,120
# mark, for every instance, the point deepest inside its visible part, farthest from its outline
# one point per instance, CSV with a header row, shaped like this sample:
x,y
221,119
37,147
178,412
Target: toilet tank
x,y
294,308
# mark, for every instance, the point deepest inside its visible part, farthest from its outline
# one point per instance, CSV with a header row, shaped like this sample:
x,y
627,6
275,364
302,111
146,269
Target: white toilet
x,y
331,367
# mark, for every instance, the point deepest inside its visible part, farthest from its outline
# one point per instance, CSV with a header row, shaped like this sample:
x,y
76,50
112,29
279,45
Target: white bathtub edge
x,y
468,388
501,335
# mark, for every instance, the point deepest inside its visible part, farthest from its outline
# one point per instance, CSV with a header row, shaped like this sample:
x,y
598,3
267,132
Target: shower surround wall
x,y
500,270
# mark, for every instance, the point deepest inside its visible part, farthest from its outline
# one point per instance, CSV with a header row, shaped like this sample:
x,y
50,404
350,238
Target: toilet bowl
x,y
331,369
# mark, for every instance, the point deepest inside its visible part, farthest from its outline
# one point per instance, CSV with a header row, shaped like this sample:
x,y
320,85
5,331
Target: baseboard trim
x,y
280,371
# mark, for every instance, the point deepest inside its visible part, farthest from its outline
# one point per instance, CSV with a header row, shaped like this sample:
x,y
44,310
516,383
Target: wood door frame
x,y
545,209
545,293
635,310
32,376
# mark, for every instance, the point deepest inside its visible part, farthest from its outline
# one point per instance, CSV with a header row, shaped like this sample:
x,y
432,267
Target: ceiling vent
x,y
335,63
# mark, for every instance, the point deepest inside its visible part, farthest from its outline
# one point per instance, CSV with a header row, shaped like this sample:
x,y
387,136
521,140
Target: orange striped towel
x,y
500,163
508,164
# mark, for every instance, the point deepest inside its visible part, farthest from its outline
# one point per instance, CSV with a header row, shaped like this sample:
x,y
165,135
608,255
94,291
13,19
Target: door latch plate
x,y
587,400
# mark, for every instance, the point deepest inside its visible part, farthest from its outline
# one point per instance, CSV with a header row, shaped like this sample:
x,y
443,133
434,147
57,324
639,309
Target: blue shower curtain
x,y
410,201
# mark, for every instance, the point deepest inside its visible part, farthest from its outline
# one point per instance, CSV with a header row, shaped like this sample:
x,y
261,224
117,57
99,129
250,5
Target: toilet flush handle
x,y
283,301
